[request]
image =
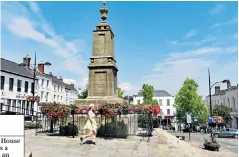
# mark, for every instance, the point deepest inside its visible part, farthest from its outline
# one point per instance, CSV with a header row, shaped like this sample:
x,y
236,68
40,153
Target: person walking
x,y
91,125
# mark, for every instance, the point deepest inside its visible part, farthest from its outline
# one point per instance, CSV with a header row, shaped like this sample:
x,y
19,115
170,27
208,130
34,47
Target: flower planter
x,y
212,146
68,130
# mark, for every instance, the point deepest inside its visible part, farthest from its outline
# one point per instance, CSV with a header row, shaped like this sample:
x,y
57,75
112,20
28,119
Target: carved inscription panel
x,y
100,83
100,45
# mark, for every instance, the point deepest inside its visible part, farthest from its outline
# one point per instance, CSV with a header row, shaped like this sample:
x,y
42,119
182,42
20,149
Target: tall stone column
x,y
102,85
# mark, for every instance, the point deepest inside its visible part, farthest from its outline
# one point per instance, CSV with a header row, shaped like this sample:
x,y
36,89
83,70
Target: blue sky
x,y
160,43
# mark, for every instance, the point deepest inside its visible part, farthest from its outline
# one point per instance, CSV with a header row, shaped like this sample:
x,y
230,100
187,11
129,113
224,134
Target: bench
x,y
181,137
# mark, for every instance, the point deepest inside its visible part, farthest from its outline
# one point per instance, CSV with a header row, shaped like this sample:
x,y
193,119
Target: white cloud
x,y
190,34
69,81
34,7
29,23
225,23
217,9
125,86
192,43
170,73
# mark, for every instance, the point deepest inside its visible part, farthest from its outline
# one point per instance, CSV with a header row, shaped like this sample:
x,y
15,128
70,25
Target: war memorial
x,y
102,85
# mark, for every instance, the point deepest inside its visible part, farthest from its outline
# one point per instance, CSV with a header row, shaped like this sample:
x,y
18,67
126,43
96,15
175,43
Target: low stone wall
x,y
119,126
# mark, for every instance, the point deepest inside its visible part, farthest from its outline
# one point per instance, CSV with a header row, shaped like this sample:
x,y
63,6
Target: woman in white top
x,y
90,125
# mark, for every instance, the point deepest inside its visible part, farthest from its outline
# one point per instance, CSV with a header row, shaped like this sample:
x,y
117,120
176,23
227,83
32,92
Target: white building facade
x,y
227,97
165,101
71,94
16,85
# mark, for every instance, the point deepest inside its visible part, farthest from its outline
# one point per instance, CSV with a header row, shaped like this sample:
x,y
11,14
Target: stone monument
x,y
102,85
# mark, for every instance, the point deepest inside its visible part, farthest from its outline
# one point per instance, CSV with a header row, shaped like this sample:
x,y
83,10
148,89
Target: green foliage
x,y
187,100
224,112
147,92
120,93
213,145
155,102
84,93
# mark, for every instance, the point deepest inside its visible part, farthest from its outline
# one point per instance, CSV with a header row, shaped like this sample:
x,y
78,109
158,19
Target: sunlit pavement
x,y
197,139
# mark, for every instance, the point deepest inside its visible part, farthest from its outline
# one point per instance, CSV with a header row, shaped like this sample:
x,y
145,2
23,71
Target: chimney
x,y
41,67
228,84
72,85
26,61
50,73
217,89
61,78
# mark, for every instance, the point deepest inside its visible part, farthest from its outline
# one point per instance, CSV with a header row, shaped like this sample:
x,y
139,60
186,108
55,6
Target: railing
x,y
119,126
122,125
17,110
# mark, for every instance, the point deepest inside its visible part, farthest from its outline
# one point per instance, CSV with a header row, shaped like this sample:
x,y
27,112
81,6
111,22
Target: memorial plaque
x,y
101,45
100,83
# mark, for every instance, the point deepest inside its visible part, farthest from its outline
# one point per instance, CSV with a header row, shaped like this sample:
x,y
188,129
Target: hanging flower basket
x,y
33,98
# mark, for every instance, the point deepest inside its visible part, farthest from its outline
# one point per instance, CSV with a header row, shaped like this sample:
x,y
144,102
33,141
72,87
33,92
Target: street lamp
x,y
210,88
34,67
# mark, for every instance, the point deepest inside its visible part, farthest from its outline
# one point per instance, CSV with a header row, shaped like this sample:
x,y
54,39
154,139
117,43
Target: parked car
x,y
228,132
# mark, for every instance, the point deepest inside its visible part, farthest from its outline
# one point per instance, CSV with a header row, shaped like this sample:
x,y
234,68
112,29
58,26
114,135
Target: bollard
x,y
73,121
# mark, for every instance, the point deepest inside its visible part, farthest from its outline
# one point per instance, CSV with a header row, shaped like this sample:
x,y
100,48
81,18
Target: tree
x,y
84,93
224,112
120,93
187,100
147,92
155,102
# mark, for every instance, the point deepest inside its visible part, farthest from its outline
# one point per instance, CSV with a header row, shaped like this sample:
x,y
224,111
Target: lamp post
x,y
210,88
34,67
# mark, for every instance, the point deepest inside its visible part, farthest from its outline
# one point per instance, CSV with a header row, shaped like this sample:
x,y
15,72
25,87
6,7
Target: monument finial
x,y
104,11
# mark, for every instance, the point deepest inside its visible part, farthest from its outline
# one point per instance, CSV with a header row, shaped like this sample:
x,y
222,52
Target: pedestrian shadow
x,y
88,142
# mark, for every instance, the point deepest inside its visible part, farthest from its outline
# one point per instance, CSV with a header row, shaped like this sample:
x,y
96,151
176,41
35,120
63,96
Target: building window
x,y
42,95
32,88
58,88
19,106
54,97
26,86
23,105
14,106
27,108
2,82
42,82
168,102
47,93
228,102
168,111
160,102
47,84
19,84
61,89
233,102
61,98
58,97
9,104
138,101
11,82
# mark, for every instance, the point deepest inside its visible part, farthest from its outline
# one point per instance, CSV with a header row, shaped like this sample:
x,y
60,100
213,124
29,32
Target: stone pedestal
x,y
100,101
